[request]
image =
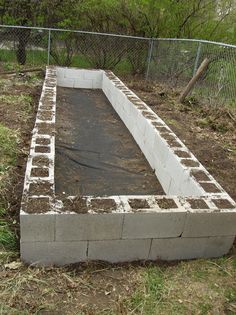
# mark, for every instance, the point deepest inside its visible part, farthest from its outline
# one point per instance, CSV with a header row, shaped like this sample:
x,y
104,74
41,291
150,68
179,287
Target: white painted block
x,y
83,84
119,250
37,227
189,187
96,84
53,253
75,227
163,176
93,74
74,73
160,149
153,225
60,72
189,248
201,224
66,82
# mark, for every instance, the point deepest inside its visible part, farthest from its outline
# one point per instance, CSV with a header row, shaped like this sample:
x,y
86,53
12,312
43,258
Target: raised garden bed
x,y
195,218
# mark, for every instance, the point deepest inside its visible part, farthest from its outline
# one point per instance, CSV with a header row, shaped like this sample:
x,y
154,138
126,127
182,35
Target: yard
x,y
186,287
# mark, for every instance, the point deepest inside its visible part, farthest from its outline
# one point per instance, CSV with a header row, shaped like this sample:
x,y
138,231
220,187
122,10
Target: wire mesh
x,y
99,51
169,61
23,46
174,62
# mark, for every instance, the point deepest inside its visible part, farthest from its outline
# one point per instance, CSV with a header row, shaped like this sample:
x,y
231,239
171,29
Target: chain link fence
x,y
169,61
175,61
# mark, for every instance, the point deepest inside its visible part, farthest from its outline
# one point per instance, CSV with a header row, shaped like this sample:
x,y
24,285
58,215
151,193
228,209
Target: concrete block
x,y
93,74
189,248
65,82
60,72
119,250
153,225
201,224
53,253
96,84
37,227
83,84
75,227
189,187
163,176
74,73
160,149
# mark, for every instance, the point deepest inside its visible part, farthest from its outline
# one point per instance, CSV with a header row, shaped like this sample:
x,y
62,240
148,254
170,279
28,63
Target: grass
x,y
198,287
8,153
150,293
15,107
194,287
8,144
7,237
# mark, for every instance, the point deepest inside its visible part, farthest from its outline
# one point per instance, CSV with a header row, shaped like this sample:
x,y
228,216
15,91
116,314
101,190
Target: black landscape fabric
x,y
95,153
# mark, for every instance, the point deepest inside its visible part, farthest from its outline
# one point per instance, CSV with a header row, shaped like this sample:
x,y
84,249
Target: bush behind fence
x,y
169,61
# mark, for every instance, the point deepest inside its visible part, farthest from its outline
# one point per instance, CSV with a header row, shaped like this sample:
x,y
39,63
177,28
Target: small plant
x,y
7,237
151,292
8,144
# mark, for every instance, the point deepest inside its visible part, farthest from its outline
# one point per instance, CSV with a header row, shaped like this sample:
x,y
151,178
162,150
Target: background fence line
x,y
169,61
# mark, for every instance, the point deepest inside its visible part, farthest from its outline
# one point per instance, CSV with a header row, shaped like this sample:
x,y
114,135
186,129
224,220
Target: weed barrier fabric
x,y
95,153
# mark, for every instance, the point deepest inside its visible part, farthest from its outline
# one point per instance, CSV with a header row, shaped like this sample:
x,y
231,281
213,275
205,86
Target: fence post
x,y
150,49
197,58
49,45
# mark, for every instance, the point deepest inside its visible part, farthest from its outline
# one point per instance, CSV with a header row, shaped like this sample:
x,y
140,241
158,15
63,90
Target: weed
x,y
7,237
231,295
8,144
204,308
151,293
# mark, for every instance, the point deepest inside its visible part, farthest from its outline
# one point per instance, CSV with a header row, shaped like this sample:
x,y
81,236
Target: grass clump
x,y
8,144
150,293
7,237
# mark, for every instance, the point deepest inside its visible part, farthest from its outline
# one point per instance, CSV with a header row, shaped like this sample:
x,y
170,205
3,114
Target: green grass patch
x,y
7,237
8,145
151,292
16,99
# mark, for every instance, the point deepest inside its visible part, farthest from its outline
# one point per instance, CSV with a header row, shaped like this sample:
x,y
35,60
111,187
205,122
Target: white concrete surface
x,y
189,248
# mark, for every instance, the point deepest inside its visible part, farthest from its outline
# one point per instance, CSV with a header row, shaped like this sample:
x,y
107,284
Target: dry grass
x,y
193,287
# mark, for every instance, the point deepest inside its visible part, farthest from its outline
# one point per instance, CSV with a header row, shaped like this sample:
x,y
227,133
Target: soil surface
x,y
95,153
208,131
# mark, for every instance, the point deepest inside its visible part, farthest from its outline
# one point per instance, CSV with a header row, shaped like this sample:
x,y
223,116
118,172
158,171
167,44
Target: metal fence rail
x,y
166,60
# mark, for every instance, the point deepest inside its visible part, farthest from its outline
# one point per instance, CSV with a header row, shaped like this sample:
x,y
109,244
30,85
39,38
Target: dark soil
x,y
46,115
39,172
38,205
103,205
78,205
42,149
138,204
166,203
43,141
198,204
40,161
208,131
223,204
41,188
45,129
